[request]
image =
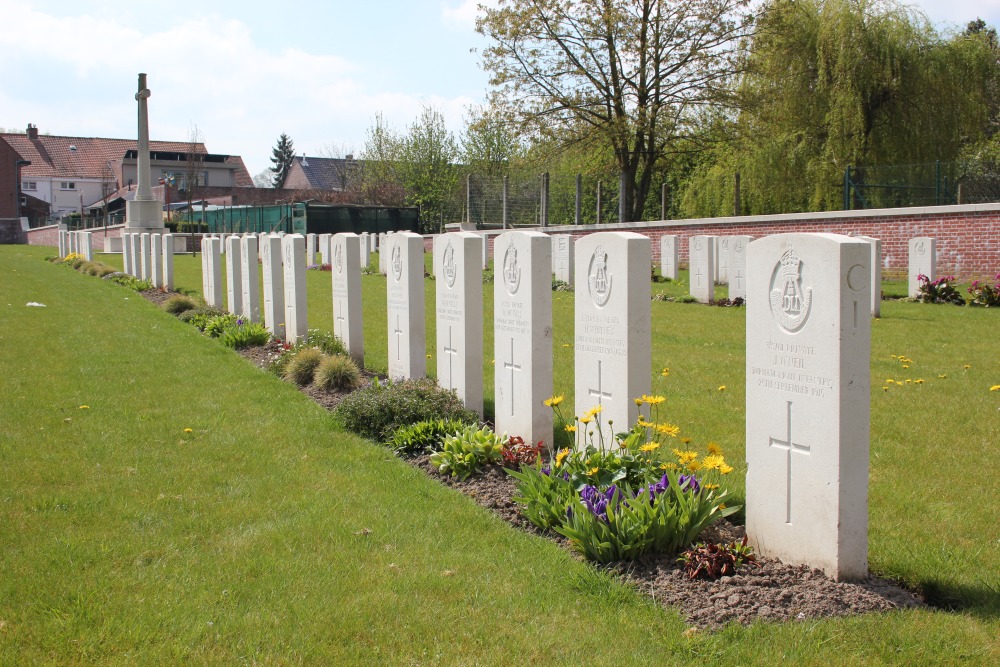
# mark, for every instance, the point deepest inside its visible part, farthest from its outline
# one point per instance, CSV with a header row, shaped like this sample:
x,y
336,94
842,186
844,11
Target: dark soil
x,y
157,296
767,590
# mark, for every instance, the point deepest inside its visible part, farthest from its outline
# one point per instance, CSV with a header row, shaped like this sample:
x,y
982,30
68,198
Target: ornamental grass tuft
x,y
301,367
178,304
337,373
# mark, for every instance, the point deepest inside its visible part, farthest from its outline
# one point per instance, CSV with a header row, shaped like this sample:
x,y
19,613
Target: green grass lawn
x,y
268,535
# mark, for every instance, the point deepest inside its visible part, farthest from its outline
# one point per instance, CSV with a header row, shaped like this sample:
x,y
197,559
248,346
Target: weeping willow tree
x,y
829,84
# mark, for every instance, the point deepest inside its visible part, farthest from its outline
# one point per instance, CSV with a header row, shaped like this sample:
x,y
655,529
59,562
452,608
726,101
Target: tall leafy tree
x,y
632,74
281,159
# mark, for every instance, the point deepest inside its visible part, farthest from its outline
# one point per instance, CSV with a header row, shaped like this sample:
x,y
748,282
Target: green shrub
x,y
467,451
199,317
244,333
131,282
337,373
178,304
424,436
377,411
323,341
215,326
984,294
104,270
302,366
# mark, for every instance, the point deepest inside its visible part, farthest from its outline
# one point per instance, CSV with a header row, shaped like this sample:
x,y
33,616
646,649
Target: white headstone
x,y
723,248
405,300
126,254
310,249
459,309
87,246
168,262
222,245
486,251
145,261
274,286
876,278
522,335
372,243
348,318
701,258
738,266
324,248
249,280
364,250
234,276
383,250
156,260
64,244
923,261
211,270
293,250
613,335
808,390
668,256
562,257
135,247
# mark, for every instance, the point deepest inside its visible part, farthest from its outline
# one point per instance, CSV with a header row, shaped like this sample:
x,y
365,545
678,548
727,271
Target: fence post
x,y
664,195
847,188
736,195
937,182
468,198
622,197
579,200
959,202
545,200
504,203
599,193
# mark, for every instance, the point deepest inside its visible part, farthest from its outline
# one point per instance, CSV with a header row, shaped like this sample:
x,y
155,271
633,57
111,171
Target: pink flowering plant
x,y
942,290
984,294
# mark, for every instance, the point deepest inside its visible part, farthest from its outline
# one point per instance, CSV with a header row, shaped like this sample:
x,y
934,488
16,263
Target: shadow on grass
x,y
981,601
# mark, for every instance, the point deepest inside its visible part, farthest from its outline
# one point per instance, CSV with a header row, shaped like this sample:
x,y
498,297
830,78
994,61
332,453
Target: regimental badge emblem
x,y
448,267
599,278
338,257
919,247
789,303
739,246
397,262
699,243
511,270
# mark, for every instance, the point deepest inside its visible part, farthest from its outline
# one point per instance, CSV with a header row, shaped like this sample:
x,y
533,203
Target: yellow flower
x,y
668,429
710,487
493,362
967,366
567,345
885,389
586,419
919,381
686,440
655,400
995,387
713,448
713,461
553,401
593,471
597,410
638,401
685,457
650,447
890,381
669,466
893,356
942,376
570,428
84,407
725,469
908,380
643,423
189,430
906,366
561,456
722,387
694,466
665,372
428,356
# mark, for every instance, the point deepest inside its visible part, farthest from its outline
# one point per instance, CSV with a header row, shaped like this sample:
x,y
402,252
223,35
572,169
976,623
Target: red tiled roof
x,y
241,176
52,157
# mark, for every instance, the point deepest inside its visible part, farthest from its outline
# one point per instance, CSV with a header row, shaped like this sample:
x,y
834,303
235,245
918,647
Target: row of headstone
x,y
711,260
81,243
149,257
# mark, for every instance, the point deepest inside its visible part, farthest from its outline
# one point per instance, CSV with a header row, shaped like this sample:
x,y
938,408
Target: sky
x,y
243,72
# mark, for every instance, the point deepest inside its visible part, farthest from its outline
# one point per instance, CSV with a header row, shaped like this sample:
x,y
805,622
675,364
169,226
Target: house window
x,y
29,185
67,185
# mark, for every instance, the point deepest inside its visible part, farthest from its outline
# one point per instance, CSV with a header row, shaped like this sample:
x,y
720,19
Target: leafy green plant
x,y
178,304
424,436
131,282
324,341
302,365
984,294
378,410
712,561
217,325
544,497
199,317
337,373
243,333
466,452
561,285
941,290
370,270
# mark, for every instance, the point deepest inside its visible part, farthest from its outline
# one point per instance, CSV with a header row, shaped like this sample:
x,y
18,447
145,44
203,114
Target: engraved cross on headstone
x,y
451,352
511,366
599,393
340,319
739,278
399,335
789,446
698,275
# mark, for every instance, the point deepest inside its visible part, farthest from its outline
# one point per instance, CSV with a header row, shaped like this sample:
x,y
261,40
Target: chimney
x,y
32,132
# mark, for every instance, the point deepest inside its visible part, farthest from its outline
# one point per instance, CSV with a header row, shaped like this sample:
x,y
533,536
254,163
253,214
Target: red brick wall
x,y
968,237
50,236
